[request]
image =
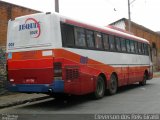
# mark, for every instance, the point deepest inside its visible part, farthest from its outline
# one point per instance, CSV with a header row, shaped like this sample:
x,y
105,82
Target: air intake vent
x,y
72,73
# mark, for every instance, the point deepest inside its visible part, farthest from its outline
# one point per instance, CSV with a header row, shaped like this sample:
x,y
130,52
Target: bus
x,y
52,54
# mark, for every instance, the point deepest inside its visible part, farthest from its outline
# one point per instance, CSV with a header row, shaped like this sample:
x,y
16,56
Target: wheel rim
x,y
113,85
100,88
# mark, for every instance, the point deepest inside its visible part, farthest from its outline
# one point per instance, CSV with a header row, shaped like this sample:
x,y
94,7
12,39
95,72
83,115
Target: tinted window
x,y
90,38
98,40
149,51
136,46
118,44
67,35
106,41
128,45
132,46
111,43
139,48
123,45
80,37
143,50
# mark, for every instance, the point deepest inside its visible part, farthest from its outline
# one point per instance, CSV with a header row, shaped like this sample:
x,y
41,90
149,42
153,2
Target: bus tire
x,y
113,84
144,81
100,88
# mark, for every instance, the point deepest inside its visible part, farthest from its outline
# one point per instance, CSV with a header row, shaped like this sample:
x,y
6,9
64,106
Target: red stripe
x,y
31,64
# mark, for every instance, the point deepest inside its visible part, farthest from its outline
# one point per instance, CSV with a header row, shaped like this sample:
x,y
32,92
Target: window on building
x,y
106,41
112,42
98,40
90,38
154,49
123,45
80,37
67,32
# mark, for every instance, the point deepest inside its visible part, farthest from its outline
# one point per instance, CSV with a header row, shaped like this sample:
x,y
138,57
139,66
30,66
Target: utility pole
x,y
129,17
129,14
57,6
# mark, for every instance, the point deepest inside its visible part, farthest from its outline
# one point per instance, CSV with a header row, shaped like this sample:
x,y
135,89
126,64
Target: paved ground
x,y
12,99
132,99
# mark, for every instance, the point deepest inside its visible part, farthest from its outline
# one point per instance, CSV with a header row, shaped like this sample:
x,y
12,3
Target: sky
x,y
101,12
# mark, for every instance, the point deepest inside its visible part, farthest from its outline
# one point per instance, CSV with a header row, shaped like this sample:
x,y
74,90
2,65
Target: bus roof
x,y
107,29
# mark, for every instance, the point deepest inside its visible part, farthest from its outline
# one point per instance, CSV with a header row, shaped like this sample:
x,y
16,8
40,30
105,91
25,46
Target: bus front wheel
x,y
100,88
113,84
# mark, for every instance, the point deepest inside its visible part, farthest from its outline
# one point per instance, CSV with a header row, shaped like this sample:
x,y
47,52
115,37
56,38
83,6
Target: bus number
x,y
10,44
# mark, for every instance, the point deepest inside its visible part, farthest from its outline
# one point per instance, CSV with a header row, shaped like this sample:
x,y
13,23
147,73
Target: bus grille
x,y
72,73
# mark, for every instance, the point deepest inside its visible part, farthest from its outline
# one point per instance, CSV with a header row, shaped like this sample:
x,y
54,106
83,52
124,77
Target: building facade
x,y
10,11
141,31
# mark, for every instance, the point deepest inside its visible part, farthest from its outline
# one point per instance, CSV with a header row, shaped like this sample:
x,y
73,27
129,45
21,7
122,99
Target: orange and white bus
x,y
50,53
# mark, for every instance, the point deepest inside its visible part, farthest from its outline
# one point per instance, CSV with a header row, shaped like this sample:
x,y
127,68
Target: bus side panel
x,y
78,79
129,75
136,73
88,71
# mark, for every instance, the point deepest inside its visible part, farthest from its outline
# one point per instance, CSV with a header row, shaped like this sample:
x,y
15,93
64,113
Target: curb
x,y
23,102
156,75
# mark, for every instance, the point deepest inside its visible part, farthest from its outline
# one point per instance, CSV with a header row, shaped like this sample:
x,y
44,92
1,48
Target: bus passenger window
x,y
128,45
98,40
136,47
105,42
112,42
67,32
90,38
123,45
143,50
118,44
146,49
132,46
140,48
149,49
80,37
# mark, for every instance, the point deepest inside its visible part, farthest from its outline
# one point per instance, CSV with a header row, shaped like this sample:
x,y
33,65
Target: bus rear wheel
x,y
100,88
113,85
